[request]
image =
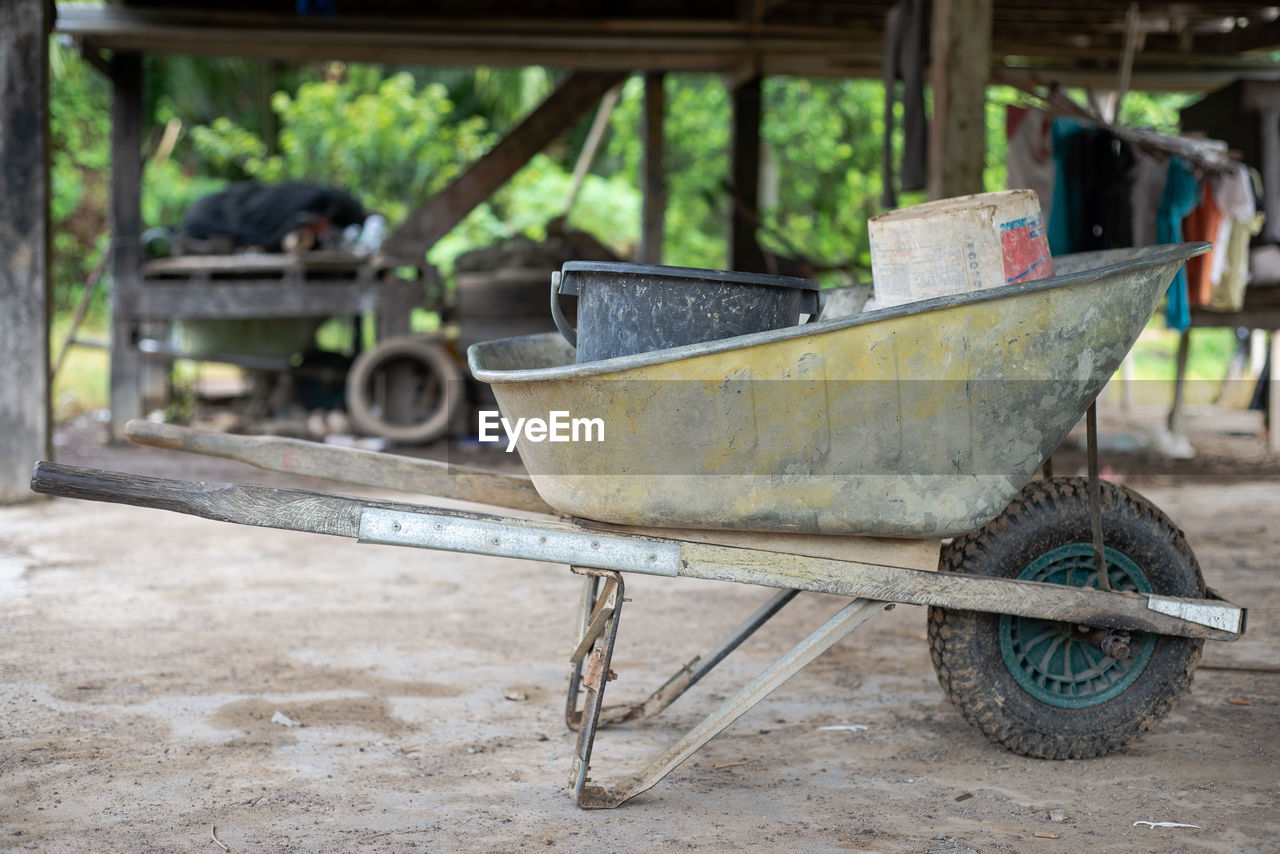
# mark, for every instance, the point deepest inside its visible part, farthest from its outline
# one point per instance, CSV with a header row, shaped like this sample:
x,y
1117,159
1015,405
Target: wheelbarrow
x,y
886,457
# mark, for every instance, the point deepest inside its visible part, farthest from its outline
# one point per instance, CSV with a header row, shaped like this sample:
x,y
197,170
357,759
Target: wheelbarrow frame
x,y
607,552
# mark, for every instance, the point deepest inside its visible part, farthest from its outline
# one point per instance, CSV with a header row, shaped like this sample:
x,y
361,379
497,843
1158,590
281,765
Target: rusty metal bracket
x,y
597,673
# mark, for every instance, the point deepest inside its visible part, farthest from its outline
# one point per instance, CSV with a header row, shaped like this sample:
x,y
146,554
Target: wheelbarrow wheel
x,y
1039,687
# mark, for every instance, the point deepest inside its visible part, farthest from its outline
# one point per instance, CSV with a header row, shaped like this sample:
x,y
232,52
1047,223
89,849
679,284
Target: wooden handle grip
x,y
262,506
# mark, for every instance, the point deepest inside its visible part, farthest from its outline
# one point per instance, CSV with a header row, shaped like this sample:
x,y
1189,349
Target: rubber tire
x,y
433,359
965,645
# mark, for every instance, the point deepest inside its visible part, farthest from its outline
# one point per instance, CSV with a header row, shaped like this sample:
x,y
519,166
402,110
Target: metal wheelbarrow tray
x,y
922,420
1045,653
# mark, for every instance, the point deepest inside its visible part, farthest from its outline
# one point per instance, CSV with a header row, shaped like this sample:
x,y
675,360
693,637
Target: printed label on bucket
x,y
1026,250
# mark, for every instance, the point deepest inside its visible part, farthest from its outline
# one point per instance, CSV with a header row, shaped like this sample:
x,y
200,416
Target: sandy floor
x,y
145,653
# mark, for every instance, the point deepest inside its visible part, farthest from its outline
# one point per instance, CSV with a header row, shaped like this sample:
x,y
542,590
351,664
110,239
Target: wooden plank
x,y
1273,396
1260,35
256,262
744,174
885,551
653,180
126,228
313,512
24,244
942,589
348,465
960,72
443,211
220,299
1261,310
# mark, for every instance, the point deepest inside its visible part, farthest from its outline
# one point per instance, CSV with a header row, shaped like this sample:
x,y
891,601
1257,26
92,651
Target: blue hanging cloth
x,y
1067,204
1181,193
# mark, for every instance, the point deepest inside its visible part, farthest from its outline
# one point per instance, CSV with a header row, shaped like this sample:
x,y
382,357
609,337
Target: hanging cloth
x,y
1236,192
1202,224
1067,200
1144,196
1091,189
1179,197
1030,154
1233,192
906,53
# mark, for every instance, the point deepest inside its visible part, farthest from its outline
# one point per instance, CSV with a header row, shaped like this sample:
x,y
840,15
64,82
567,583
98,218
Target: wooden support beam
x,y
744,175
960,72
443,211
1269,137
24,243
222,300
1258,36
126,230
653,175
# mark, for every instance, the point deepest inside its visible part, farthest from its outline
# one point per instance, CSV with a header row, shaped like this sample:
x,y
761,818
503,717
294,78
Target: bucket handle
x,y
570,334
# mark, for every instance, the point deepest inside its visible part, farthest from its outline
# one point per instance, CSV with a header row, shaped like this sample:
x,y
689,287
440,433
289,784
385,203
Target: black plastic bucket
x,y
625,309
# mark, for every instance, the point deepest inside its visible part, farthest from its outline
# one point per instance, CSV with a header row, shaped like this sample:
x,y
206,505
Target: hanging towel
x,y
1030,154
1179,197
1094,171
1144,196
1067,200
1228,293
1202,224
1233,193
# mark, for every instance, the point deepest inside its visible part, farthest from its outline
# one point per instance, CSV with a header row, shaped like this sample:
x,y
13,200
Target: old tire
x,y
405,390
1027,684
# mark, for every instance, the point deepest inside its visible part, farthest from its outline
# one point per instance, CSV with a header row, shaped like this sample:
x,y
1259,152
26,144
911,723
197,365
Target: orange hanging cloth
x,y
1202,224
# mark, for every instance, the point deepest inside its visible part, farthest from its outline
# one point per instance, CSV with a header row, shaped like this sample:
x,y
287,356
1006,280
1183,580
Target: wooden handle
x,y
348,465
263,506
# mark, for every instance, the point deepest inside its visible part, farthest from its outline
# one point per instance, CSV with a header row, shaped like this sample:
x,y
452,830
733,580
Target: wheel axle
x,y
1113,644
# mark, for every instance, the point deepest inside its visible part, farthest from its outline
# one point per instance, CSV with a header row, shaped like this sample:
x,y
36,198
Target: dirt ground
x,y
145,653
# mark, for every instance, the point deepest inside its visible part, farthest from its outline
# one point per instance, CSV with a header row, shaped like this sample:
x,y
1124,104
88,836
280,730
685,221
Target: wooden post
x,y
1273,396
24,244
1269,133
126,229
1174,422
961,68
654,180
443,211
744,173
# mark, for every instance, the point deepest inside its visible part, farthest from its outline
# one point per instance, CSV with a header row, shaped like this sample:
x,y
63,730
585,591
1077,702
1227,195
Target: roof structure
x,y
1200,44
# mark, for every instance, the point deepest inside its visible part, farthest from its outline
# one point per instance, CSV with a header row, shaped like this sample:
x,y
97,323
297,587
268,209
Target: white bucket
x,y
960,245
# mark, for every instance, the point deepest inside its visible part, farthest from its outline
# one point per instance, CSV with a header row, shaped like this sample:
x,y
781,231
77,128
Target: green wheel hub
x,y
1051,664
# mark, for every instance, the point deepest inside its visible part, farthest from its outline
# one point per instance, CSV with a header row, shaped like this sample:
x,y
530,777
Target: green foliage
x,y
392,147
696,139
825,138
1156,111
80,155
168,189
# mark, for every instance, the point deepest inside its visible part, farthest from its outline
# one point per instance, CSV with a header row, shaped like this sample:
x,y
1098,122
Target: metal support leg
x,y
683,679
597,674
590,590
848,619
1095,499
